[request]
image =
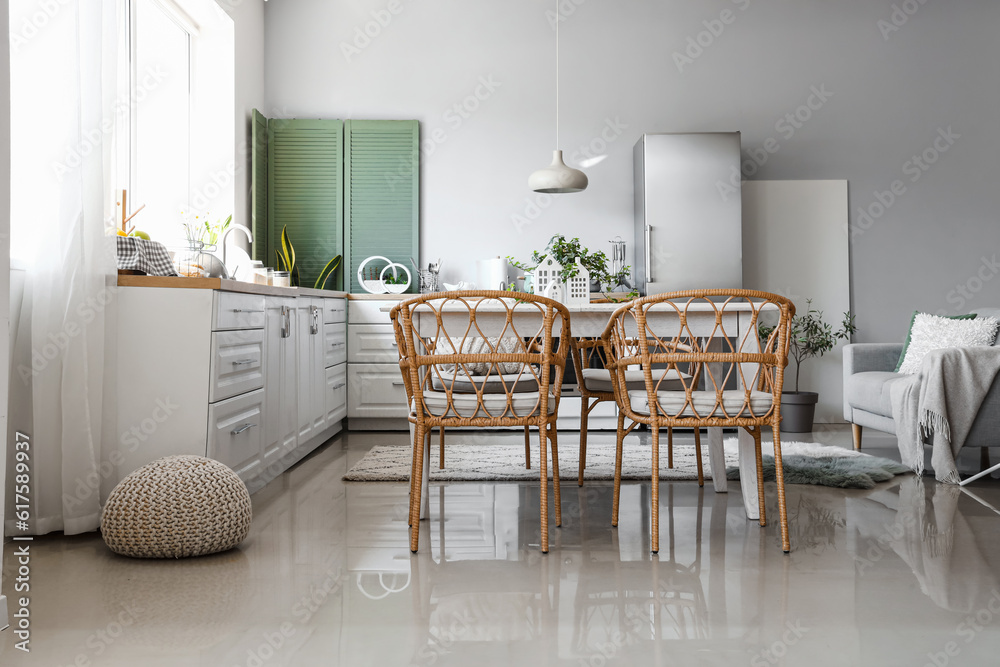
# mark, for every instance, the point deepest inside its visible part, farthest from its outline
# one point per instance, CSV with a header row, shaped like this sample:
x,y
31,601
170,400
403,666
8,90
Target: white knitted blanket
x,y
938,406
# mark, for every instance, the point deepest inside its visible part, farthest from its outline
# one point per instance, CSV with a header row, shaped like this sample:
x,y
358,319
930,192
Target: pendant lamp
x,y
557,177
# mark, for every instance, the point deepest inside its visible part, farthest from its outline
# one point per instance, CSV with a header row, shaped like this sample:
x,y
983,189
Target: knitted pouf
x,y
176,507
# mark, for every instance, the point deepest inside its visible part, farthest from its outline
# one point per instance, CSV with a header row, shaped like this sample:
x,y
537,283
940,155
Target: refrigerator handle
x,y
649,254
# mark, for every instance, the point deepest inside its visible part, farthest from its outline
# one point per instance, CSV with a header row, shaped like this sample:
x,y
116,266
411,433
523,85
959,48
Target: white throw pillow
x,y
930,332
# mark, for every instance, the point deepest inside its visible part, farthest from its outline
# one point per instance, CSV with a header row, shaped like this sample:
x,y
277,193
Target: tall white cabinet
x,y
237,376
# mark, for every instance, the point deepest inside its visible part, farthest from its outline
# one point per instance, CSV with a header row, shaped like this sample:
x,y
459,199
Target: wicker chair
x,y
742,376
595,384
512,377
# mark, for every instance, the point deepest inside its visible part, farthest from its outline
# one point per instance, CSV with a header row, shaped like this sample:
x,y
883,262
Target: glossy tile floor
x,y
905,574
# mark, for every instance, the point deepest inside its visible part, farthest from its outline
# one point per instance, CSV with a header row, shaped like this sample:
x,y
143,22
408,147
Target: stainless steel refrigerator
x,y
688,212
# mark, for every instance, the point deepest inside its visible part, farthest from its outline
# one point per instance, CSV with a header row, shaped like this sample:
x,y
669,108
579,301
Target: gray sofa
x,y
868,376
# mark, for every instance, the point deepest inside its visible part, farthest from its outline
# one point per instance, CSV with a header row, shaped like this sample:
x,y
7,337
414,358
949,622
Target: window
x,y
159,160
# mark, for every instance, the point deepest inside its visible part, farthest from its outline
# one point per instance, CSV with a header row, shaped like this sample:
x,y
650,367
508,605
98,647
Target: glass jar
x,y
282,279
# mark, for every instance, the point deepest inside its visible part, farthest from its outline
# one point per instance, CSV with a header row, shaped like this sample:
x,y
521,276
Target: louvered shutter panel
x,y
258,185
305,193
382,192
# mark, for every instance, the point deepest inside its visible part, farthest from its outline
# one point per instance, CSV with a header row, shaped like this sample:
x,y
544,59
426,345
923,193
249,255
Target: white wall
x,y
891,92
794,245
248,19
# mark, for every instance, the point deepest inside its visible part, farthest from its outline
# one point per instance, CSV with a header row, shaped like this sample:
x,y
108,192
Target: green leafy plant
x,y
198,230
565,252
285,261
811,337
390,279
328,270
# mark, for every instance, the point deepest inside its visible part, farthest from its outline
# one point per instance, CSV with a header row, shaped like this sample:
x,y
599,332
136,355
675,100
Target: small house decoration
x,y
548,281
546,273
577,289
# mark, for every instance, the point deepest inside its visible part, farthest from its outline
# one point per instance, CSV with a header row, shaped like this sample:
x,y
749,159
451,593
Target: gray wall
x,y
892,92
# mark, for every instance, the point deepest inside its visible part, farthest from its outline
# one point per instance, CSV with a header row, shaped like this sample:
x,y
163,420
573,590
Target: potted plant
x,y
565,251
810,337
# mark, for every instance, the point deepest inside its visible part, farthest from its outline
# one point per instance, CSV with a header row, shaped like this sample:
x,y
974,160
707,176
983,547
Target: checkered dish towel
x,y
150,257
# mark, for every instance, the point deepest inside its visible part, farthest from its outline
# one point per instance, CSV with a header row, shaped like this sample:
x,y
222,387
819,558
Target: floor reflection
x,y
883,576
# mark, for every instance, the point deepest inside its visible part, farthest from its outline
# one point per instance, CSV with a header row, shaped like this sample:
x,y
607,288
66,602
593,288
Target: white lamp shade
x,y
557,177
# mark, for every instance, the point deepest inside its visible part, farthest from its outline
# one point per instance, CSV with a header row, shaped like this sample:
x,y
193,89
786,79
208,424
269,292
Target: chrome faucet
x,y
225,235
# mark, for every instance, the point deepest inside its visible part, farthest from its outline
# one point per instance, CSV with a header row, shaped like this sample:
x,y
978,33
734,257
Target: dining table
x,y
590,320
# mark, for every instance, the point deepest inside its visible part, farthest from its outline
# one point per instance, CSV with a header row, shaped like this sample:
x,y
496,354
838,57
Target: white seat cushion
x,y
733,401
489,384
494,405
599,379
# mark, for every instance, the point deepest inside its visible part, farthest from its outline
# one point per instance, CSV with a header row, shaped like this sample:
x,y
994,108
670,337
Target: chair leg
x,y
984,458
416,480
856,430
655,510
618,468
757,435
697,455
584,418
413,463
780,477
527,447
670,448
543,474
440,449
553,439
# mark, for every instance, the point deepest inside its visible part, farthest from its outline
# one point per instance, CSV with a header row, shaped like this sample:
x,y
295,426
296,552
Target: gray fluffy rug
x,y
804,463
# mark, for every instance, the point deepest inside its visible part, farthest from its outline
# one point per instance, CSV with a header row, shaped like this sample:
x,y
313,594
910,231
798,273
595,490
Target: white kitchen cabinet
x,y
281,388
376,399
310,339
240,377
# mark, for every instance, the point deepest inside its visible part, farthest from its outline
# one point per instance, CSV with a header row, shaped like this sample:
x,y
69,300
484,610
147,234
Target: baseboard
x,y
300,452
377,424
4,623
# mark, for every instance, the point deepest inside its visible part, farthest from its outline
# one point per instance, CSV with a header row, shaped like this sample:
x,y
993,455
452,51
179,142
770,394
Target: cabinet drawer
x,y
334,311
233,310
234,433
368,311
237,363
371,343
336,393
335,344
375,390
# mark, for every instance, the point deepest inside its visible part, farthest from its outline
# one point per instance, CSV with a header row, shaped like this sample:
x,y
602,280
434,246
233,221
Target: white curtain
x,y
63,103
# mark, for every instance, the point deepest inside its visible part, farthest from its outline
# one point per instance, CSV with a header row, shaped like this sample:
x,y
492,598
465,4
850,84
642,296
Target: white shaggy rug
x,y
804,463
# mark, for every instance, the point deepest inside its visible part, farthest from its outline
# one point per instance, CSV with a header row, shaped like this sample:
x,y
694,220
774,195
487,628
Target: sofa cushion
x,y
870,391
931,332
990,312
909,333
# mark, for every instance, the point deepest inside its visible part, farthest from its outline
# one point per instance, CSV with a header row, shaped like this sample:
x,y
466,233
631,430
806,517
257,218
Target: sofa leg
x,y
984,458
856,429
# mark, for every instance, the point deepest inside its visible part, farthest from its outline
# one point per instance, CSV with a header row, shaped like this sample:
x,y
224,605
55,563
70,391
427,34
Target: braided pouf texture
x,y
177,507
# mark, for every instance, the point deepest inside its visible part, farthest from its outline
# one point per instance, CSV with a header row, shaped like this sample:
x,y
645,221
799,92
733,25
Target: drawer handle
x,y
246,310
340,386
337,344
244,362
245,427
397,383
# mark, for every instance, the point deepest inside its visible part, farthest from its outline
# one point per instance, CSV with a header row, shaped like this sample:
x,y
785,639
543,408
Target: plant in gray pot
x,y
810,337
